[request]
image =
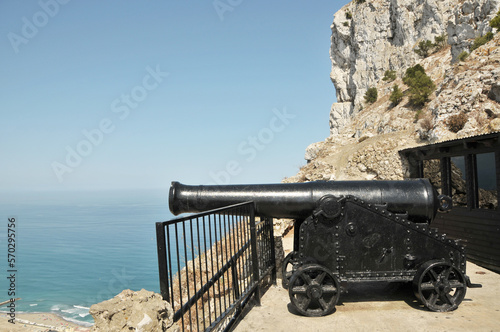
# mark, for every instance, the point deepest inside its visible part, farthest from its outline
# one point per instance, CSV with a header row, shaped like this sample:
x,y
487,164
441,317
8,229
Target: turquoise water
x,y
74,249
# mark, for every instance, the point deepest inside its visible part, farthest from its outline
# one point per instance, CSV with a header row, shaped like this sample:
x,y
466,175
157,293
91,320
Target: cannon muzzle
x,y
416,197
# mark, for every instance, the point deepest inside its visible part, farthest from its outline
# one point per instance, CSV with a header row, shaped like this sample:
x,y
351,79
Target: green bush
x,y
495,22
371,95
456,122
480,41
346,24
389,75
396,95
421,85
348,15
440,40
411,72
424,48
360,1
462,56
421,88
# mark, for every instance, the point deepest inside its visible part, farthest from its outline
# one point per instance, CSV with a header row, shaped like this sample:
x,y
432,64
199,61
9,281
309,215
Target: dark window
x,y
458,181
432,171
487,181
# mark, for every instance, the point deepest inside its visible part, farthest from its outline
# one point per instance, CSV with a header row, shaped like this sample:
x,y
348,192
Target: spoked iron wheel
x,y
314,290
287,268
439,286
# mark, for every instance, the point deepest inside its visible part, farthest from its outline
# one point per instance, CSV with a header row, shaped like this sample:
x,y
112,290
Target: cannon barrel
x,y
416,197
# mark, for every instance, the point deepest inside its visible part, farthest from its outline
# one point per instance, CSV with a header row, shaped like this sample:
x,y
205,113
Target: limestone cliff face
x,y
371,37
469,20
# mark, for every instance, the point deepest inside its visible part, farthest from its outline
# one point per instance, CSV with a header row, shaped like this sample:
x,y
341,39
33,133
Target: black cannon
x,y
349,232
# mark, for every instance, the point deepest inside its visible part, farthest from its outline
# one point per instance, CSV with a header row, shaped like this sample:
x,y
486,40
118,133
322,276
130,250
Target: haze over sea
x,y
74,249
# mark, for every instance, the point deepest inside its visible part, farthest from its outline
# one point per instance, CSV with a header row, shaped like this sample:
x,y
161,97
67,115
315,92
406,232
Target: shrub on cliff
x,y
456,122
463,56
410,72
495,22
389,75
440,41
371,95
424,48
421,85
426,126
396,95
480,41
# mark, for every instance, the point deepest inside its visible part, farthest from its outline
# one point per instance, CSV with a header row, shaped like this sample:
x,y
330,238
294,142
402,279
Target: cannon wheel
x,y
287,268
314,290
439,286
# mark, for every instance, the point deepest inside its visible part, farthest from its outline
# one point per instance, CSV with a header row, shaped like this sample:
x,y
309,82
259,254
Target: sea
x,y
77,248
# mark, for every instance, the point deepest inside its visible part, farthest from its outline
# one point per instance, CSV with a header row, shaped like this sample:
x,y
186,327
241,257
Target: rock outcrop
x,y
134,311
469,20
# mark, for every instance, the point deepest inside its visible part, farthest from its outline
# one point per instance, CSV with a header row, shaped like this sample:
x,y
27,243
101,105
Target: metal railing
x,y
211,263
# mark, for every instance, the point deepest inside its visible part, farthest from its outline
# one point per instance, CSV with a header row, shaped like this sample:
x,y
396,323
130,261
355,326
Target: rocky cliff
x,y
372,37
134,311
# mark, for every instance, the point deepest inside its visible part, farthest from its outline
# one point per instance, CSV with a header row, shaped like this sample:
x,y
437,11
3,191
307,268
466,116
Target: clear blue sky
x,y
135,94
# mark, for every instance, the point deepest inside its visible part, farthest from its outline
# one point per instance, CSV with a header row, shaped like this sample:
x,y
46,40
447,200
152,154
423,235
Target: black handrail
x,y
230,251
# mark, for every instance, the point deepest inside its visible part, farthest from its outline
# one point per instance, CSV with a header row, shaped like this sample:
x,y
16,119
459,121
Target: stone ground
x,y
381,307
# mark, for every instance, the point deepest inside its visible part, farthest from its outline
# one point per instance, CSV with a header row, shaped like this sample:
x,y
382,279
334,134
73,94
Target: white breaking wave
x,y
72,313
81,307
76,321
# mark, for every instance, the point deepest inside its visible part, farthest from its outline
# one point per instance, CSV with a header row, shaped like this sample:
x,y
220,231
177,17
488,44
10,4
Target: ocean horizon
x,y
78,248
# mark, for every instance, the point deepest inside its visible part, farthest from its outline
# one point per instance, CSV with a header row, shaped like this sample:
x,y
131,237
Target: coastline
x,y
41,322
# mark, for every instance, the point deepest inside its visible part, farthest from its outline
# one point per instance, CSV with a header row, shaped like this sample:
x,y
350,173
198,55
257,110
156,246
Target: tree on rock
x,y
424,48
421,85
371,95
440,41
396,95
389,75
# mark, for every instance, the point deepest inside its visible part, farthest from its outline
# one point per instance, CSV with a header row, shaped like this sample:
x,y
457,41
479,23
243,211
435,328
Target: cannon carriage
x,y
351,232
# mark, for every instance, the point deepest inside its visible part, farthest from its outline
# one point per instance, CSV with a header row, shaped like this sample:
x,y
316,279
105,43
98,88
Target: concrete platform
x,y
382,307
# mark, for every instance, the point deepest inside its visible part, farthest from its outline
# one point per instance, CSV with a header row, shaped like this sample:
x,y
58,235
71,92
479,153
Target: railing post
x,y
255,256
273,249
234,273
162,261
